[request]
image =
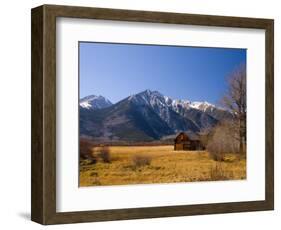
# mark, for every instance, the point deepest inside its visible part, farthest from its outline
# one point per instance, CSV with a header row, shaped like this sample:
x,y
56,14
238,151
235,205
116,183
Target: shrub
x,y
141,160
105,154
85,151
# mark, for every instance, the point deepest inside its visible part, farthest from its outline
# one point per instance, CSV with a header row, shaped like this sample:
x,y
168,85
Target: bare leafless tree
x,y
222,141
205,135
235,101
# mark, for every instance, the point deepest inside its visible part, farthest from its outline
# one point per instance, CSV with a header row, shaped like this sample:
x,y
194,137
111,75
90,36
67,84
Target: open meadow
x,y
121,165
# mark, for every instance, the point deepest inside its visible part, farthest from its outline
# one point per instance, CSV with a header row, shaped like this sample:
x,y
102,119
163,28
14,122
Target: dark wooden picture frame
x,y
43,189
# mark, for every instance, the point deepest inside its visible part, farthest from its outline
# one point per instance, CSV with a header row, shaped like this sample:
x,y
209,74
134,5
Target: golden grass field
x,y
164,166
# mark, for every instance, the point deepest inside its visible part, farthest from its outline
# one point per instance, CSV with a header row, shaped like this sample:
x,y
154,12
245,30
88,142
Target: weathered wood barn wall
x,y
187,142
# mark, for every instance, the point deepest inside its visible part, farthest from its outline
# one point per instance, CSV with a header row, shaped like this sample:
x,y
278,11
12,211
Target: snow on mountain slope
x,y
94,102
154,98
203,106
145,115
170,110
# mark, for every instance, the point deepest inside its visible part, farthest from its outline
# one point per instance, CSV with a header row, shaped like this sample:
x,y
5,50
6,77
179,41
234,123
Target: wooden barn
x,y
187,142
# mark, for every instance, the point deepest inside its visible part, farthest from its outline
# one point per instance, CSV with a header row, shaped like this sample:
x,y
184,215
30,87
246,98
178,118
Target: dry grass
x,y
165,166
141,160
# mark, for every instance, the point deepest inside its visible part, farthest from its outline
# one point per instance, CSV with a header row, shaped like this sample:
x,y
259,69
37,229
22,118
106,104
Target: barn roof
x,y
192,136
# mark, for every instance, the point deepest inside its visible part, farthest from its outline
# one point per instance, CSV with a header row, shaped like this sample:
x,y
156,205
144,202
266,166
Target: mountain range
x,y
146,116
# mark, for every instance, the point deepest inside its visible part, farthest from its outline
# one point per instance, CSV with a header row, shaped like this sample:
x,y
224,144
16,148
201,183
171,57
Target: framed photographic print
x,y
140,114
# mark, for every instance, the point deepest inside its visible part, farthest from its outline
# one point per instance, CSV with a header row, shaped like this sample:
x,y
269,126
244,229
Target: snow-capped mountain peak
x,y
94,102
148,97
180,102
151,98
203,106
150,112
154,98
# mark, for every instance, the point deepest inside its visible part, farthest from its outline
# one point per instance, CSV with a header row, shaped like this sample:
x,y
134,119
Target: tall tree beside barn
x,y
235,101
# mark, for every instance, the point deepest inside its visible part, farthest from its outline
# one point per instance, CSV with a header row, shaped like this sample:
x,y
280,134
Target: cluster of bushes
x,y
104,154
87,154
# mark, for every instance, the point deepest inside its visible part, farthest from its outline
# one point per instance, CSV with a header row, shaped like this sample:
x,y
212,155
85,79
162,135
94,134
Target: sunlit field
x,y
158,164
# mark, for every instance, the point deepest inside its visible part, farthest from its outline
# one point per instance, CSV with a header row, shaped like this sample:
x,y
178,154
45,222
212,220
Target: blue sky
x,y
116,71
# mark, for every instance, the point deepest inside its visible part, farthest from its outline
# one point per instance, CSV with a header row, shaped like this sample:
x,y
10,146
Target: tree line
x,y
229,136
